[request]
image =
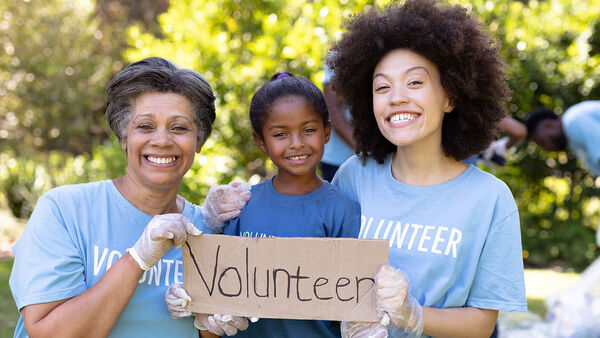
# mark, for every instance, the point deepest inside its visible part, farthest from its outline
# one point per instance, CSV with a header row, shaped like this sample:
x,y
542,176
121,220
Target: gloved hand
x,y
394,299
177,299
220,324
162,232
495,154
223,203
363,330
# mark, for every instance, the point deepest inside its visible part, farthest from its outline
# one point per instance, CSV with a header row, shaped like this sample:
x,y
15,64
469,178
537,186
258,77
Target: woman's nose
x,y
161,137
398,96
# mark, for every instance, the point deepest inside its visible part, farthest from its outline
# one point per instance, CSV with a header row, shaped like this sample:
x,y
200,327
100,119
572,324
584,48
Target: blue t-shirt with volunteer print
x,y
459,242
325,212
581,124
74,235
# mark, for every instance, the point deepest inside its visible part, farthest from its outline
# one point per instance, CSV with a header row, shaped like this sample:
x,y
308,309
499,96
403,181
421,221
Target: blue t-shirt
x,y
581,124
337,151
459,242
75,233
325,212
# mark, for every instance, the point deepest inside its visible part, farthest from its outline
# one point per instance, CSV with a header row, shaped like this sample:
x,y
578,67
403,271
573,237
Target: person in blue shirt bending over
x,y
577,129
290,121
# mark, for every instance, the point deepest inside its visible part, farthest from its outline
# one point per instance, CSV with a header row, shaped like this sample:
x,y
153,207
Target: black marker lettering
x,y
317,284
339,285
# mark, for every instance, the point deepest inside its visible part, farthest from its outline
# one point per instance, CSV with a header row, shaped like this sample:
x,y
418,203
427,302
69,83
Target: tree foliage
x,y
54,63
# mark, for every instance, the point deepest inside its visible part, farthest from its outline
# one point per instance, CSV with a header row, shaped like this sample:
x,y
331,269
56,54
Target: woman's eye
x,y
144,126
380,88
278,134
415,83
309,130
180,128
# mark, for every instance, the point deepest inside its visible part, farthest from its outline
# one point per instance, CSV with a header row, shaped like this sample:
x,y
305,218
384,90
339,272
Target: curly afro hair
x,y
471,71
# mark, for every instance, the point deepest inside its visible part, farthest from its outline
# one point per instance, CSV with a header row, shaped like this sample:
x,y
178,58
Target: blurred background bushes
x,y
56,57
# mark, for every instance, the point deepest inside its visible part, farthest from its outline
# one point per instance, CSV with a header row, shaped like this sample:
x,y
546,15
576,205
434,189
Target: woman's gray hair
x,y
155,74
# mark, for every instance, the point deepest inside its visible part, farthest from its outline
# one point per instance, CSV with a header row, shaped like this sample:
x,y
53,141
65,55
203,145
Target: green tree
x,y
54,64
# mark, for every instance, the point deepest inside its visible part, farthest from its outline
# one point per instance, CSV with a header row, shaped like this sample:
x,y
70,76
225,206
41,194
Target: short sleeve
x,y
48,265
499,281
349,226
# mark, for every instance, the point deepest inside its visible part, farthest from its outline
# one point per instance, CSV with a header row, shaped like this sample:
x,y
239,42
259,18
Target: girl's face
x,y
409,101
161,140
293,135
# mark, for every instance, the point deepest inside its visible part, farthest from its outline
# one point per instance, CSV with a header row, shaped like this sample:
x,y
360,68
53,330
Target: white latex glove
x,y
497,147
394,299
221,324
223,203
363,330
177,299
162,232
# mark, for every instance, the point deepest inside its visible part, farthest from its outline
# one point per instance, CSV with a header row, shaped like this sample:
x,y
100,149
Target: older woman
x,y
96,258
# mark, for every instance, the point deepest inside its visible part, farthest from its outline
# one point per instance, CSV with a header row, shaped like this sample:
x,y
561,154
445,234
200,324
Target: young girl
x,y
426,88
291,124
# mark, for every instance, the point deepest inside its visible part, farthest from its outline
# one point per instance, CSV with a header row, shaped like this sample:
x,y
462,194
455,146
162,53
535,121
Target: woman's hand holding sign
x,y
162,232
394,299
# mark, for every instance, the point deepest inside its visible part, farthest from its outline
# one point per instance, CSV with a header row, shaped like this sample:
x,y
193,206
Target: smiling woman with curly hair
x,y
426,88
471,72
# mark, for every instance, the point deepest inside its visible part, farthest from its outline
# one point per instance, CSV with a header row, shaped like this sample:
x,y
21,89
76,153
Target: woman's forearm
x,y
92,313
459,322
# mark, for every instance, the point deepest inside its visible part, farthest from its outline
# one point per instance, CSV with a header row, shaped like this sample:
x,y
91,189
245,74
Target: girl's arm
x,y
92,313
459,322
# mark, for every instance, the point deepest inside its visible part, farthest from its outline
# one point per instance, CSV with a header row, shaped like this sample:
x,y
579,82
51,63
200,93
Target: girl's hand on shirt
x,y
161,233
394,299
363,330
224,202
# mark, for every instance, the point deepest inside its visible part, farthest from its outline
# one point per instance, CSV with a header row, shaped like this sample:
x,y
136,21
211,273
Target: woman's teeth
x,y
399,118
161,160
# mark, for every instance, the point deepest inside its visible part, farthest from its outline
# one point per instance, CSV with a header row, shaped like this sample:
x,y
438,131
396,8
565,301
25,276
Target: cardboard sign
x,y
297,278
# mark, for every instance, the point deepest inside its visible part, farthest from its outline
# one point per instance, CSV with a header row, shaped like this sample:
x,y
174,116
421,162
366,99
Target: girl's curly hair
x,y
471,71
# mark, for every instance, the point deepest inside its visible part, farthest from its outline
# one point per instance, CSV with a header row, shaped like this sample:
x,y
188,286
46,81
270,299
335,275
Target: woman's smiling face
x,y
161,140
409,101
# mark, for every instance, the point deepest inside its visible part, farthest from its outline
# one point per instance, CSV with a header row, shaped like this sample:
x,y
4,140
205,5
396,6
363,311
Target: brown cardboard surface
x,y
299,278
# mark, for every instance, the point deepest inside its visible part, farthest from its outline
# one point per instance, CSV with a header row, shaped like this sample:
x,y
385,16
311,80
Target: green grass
x,y
8,311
